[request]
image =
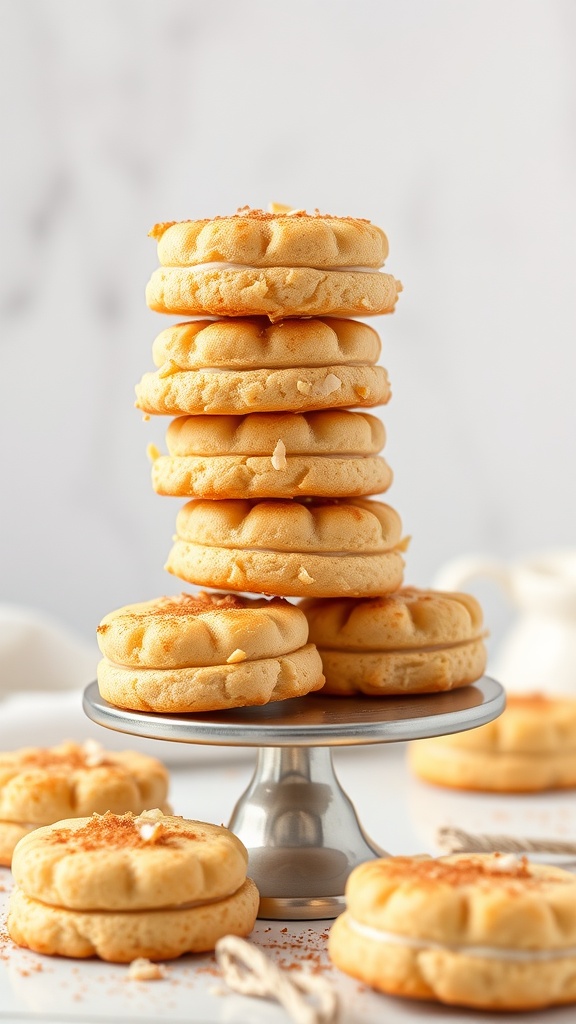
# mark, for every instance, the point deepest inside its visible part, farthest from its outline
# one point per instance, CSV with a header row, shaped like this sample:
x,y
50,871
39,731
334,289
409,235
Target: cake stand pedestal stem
x,y
302,833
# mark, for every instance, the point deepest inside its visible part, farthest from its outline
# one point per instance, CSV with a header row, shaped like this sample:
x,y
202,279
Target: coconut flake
x,y
304,576
236,656
505,862
278,459
328,385
94,753
150,831
143,969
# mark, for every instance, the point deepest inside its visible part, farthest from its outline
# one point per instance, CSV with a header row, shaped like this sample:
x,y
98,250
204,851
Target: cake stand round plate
x,y
300,828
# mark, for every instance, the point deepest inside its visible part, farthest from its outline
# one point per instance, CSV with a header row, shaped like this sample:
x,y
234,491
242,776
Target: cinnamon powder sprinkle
x,y
111,830
71,759
466,871
184,604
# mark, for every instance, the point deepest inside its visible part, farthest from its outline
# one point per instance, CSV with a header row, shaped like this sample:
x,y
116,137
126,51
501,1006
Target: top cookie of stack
x,y
262,395
273,264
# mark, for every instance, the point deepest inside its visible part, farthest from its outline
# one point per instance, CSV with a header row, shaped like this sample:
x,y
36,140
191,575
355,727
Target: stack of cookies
x,y
278,473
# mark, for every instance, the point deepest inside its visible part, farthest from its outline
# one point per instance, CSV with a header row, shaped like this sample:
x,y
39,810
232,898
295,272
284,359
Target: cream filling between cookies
x,y
431,649
282,551
217,265
484,952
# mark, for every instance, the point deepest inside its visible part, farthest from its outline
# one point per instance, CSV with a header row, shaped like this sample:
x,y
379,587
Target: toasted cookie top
x,y
353,525
193,630
41,785
128,862
253,237
249,342
326,432
482,899
405,620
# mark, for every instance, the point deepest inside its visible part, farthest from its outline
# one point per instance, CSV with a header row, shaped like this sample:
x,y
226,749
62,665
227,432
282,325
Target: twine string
x,y
456,840
247,970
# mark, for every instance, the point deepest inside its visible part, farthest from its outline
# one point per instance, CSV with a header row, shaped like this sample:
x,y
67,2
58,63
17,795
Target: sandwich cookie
x,y
488,931
123,886
205,652
324,454
272,264
246,343
412,641
171,391
290,548
531,747
41,785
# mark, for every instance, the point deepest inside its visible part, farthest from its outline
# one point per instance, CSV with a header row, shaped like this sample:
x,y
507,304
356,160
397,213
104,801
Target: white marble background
x,y
448,122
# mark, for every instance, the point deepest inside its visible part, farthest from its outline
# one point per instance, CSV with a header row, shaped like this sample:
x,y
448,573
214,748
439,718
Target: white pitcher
x,y
539,652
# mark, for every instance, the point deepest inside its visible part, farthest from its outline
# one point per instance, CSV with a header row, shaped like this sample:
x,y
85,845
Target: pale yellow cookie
x,y
171,391
200,629
129,862
272,455
486,931
41,785
123,887
275,292
121,938
412,641
204,653
290,548
242,683
531,747
294,239
330,432
242,344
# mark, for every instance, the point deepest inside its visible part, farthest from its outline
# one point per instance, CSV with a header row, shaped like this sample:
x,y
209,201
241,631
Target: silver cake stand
x,y
299,826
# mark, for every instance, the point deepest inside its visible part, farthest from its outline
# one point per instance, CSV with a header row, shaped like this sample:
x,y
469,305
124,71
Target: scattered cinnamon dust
x,y
111,830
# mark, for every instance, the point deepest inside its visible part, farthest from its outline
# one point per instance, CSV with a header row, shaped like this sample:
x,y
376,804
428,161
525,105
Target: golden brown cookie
x,y
275,292
484,931
205,652
290,548
270,455
412,641
531,747
242,344
122,887
293,239
41,785
280,264
171,391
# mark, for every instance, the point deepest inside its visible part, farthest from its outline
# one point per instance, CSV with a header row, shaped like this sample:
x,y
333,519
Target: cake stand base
x,y
300,828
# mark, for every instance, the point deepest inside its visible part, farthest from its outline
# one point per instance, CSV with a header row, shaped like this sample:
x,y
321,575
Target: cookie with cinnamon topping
x,y
272,264
411,641
490,931
125,886
41,785
205,652
531,747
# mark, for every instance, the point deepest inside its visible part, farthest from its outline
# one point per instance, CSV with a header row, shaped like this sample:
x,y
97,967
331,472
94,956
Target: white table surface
x,y
399,812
